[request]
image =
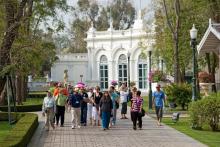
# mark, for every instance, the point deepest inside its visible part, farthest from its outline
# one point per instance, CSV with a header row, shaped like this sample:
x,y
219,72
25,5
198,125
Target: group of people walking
x,y
93,105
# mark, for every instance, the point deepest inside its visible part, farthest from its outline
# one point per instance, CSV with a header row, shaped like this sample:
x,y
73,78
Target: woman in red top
x,y
136,106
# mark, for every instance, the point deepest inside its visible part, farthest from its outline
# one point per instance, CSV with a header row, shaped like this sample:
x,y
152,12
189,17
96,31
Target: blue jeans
x,y
83,115
105,119
114,116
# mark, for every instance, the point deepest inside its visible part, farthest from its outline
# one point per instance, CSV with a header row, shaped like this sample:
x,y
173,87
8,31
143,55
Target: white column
x,y
110,71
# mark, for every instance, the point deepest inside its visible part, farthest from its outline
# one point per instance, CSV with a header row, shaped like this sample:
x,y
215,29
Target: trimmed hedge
x,y
22,132
37,95
23,108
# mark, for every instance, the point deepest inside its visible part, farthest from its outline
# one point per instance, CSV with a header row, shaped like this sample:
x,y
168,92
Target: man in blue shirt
x,y
75,101
158,101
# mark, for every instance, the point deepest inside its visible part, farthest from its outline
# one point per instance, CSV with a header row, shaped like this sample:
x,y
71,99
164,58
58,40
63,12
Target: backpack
x,y
129,97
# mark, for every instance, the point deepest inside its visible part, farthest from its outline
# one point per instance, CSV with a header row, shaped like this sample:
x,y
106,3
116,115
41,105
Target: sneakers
x,y
73,127
78,126
134,128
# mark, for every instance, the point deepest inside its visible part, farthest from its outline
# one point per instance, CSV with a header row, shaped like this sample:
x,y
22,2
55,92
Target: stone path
x,y
122,135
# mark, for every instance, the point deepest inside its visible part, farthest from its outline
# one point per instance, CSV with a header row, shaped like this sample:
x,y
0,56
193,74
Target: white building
x,y
107,57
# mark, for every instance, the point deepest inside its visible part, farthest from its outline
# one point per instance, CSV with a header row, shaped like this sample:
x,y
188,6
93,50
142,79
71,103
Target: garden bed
x,y
22,131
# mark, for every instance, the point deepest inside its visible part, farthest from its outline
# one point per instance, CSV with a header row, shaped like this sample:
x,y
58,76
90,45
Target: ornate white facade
x,y
107,57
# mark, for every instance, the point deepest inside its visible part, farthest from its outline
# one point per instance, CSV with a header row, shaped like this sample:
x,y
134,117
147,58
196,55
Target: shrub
x,y
205,112
179,93
22,132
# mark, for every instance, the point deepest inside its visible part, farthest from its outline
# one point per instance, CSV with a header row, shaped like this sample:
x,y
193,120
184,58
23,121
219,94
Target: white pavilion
x,y
107,57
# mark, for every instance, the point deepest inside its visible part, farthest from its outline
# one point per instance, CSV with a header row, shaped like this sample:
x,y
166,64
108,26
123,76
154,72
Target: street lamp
x,y
150,78
193,36
129,82
81,76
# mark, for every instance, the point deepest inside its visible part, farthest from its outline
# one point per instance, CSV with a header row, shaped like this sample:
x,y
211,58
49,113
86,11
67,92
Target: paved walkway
x,y
122,135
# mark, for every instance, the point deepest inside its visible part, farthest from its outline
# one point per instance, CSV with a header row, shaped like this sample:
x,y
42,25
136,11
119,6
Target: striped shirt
x,y
136,104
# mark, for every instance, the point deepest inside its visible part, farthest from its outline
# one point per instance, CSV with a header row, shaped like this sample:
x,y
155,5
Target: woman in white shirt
x,y
123,100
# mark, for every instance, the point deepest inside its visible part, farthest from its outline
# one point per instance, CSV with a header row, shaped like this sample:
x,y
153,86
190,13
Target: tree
x,y
123,14
174,28
19,38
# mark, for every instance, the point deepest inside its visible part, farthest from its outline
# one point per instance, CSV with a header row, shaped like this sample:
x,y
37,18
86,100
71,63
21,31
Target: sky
x,y
67,17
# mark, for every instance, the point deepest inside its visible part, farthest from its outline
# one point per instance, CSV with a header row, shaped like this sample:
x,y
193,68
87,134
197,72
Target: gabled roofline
x,y
199,47
204,38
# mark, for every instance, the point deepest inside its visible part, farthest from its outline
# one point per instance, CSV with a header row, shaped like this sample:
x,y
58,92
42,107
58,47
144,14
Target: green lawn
x,y
4,129
205,136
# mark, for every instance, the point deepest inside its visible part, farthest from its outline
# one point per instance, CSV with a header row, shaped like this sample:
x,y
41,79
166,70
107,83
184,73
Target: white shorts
x,y
89,110
94,113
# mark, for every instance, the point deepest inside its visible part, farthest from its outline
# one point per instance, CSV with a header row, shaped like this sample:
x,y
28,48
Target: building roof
x,y
211,39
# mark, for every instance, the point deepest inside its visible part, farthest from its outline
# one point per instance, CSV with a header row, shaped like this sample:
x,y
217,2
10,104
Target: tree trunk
x,y
24,88
3,92
18,90
213,70
176,61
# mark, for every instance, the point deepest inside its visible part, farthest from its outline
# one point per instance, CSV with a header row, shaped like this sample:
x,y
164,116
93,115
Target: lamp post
x,y
129,82
193,36
150,79
81,76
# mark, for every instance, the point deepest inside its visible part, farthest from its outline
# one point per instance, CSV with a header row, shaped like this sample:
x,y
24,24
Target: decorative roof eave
x,y
201,48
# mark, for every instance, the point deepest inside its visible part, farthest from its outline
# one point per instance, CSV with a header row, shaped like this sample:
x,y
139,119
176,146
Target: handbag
x,y
142,113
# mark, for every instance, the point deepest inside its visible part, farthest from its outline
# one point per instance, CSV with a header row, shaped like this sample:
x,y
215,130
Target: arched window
x,y
142,73
103,72
122,69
